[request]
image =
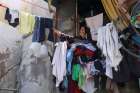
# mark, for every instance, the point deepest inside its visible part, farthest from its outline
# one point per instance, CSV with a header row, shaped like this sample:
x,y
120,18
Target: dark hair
x,y
87,30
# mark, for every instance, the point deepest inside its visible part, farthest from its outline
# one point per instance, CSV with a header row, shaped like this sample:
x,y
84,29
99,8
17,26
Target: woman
x,y
84,33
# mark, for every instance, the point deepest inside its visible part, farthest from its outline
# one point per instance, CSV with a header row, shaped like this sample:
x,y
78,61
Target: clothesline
x,y
30,4
34,4
59,33
59,19
1,5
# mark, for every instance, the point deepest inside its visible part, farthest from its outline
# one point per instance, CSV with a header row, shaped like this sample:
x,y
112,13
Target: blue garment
x,y
136,39
69,59
37,33
39,30
65,82
92,69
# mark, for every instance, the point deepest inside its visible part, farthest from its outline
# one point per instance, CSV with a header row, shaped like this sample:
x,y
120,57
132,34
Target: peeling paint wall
x,y
10,55
35,73
66,16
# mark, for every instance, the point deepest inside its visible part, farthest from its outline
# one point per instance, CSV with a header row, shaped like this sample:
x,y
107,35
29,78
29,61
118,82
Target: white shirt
x,y
59,62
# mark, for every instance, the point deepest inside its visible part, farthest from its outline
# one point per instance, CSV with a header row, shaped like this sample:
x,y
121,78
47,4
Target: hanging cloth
x,y
12,16
94,23
59,62
116,14
41,24
27,23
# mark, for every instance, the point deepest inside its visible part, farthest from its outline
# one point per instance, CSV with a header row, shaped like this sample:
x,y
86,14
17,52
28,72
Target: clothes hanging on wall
x,y
12,16
115,14
27,23
40,27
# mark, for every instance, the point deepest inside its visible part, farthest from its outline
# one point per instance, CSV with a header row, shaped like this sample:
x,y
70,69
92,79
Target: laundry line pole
x,y
76,17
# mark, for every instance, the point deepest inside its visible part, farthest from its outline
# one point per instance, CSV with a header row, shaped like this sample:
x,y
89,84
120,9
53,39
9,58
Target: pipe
x,y
76,19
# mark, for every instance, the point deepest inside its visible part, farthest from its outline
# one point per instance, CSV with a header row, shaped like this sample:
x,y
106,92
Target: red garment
x,y
86,52
73,87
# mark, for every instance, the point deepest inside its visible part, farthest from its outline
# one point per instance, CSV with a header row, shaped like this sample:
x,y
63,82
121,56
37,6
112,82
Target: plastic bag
x,y
35,48
43,51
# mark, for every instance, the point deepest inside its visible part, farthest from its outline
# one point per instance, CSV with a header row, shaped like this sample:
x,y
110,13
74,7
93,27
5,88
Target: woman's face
x,y
82,32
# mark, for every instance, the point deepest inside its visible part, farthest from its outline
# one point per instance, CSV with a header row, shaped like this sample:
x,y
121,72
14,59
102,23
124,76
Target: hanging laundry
x,y
2,14
41,24
59,62
27,23
82,77
12,16
38,50
43,51
51,36
88,87
35,48
85,44
81,50
85,82
75,72
69,60
94,23
73,87
92,71
116,14
126,4
108,43
123,74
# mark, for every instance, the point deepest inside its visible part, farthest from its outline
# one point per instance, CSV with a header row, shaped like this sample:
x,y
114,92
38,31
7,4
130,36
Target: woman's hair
x,y
87,30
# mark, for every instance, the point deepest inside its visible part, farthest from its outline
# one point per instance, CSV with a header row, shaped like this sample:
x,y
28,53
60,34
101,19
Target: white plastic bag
x,y
35,48
43,51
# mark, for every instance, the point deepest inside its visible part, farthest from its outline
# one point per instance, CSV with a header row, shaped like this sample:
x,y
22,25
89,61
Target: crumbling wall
x,y
10,55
